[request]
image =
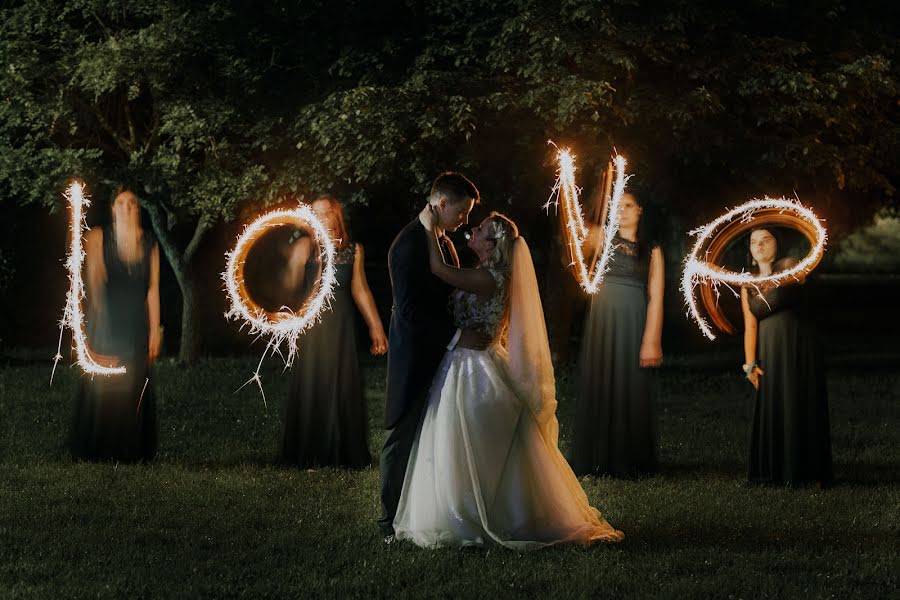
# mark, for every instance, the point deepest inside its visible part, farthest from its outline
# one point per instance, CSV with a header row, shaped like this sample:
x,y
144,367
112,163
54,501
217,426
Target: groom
x,y
421,331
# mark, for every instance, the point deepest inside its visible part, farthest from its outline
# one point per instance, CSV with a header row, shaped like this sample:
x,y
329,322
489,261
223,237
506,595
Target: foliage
x,y
711,102
874,247
204,104
143,93
149,93
213,109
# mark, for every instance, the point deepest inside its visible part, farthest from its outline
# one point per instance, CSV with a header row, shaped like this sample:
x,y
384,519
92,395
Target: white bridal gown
x,y
485,465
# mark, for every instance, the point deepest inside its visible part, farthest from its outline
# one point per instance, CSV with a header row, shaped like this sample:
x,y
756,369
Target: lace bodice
x,y
344,259
345,255
625,263
471,312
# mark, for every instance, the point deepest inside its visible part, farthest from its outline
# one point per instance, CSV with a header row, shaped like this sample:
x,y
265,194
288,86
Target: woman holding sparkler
x,y
326,421
615,424
115,416
790,441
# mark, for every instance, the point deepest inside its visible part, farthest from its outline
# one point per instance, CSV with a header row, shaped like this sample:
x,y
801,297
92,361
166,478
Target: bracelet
x,y
748,369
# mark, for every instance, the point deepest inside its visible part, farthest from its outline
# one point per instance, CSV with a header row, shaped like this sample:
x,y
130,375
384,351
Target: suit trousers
x,y
394,459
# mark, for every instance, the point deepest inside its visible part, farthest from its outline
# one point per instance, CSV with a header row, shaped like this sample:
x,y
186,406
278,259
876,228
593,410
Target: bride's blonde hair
x,y
503,232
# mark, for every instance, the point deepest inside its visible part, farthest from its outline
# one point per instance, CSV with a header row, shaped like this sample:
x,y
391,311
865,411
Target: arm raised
x,y
477,281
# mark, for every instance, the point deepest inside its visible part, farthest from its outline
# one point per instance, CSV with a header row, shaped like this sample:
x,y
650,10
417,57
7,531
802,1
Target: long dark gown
x,y
790,441
615,421
115,416
326,418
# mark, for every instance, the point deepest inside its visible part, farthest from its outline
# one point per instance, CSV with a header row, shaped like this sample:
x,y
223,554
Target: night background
x,y
218,111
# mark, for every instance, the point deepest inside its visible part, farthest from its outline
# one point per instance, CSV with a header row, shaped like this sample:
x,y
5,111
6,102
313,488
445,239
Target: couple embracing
x,y
471,454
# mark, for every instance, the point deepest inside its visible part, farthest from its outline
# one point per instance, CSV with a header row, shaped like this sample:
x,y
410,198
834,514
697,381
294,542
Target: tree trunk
x,y
181,262
189,348
189,343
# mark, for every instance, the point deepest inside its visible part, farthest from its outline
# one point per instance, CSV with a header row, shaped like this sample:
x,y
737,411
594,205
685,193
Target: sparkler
x,y
285,326
713,239
73,317
566,193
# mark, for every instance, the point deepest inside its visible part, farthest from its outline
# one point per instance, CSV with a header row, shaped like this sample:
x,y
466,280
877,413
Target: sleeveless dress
x,y
790,441
615,420
325,416
115,416
480,470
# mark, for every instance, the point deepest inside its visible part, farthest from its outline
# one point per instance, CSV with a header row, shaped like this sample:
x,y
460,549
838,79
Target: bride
x,y
485,465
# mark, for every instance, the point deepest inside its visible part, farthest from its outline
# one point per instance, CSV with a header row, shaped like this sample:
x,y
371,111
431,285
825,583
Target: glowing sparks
x,y
286,326
141,399
737,221
566,194
73,316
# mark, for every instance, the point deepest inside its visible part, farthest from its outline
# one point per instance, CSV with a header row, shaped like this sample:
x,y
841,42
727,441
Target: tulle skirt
x,y
482,471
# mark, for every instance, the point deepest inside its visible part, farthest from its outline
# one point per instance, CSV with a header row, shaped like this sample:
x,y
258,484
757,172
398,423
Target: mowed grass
x,y
214,517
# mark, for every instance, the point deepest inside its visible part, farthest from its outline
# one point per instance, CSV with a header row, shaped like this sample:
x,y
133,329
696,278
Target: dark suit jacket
x,y
421,325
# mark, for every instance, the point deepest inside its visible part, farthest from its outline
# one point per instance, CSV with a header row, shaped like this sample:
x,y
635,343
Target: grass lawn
x,y
212,517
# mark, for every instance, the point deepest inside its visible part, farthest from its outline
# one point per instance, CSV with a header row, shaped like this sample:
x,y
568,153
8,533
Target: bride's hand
x,y
428,218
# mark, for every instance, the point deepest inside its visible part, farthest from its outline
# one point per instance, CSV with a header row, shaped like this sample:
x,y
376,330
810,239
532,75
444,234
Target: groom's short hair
x,y
455,186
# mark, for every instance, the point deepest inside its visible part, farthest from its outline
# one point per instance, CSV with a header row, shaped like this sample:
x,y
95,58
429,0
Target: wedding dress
x,y
485,465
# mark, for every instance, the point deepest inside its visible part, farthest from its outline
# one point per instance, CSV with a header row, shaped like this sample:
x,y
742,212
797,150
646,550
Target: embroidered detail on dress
x,y
471,312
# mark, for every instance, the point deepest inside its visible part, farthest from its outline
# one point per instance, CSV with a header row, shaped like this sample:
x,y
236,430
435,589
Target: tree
x,y
213,106
712,102
144,93
191,103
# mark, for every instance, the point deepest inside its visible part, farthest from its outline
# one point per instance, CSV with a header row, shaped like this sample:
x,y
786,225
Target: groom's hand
x,y
474,339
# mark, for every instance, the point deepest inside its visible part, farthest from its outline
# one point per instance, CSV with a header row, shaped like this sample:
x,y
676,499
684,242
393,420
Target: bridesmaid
x,y
790,441
615,423
326,420
115,416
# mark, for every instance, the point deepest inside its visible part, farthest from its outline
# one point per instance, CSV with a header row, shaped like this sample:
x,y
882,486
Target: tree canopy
x,y
208,108
711,102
